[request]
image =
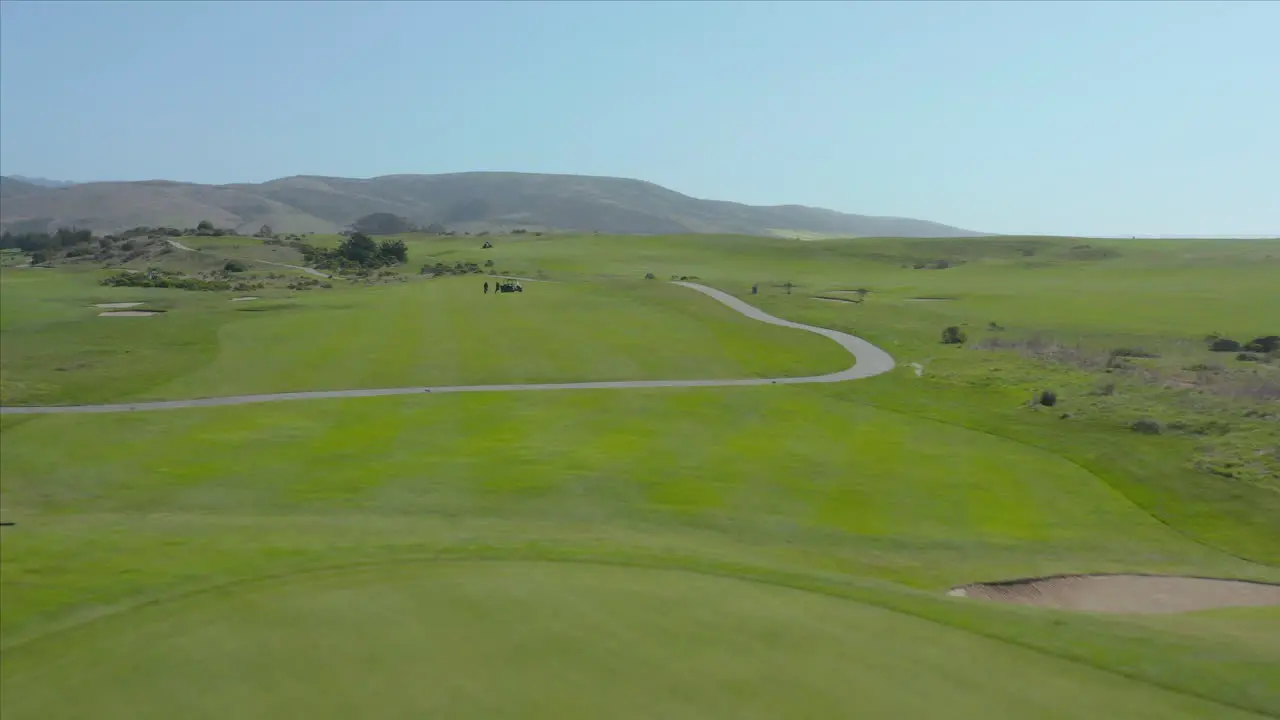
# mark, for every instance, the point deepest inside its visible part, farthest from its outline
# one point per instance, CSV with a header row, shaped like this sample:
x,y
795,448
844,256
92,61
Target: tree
x,y
382,223
234,266
265,232
954,336
204,225
359,248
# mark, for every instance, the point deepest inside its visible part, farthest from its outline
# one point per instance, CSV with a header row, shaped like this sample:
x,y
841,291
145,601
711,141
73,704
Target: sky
x,y
1080,118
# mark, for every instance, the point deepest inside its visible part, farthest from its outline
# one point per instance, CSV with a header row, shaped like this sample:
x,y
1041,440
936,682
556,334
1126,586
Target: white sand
x,y
242,299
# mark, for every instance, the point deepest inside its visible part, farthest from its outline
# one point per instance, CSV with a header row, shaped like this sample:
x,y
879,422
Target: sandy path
x,y
870,360
307,270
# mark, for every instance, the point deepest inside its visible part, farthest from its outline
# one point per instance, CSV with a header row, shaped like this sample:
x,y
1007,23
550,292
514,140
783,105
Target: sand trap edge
x,y
1133,593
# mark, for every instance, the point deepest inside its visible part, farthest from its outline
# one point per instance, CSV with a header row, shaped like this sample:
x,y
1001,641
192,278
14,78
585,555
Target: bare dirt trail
x,y
870,361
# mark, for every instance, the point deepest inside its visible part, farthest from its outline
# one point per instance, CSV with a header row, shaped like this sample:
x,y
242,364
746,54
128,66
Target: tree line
x,y
357,251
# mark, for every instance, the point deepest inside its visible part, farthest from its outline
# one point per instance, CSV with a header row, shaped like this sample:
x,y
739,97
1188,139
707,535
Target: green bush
x,y
1133,353
1224,345
1268,344
234,266
1146,426
954,336
164,279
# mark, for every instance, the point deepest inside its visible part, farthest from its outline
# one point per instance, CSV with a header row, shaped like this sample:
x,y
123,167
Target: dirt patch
x,y
243,299
118,305
128,313
1146,594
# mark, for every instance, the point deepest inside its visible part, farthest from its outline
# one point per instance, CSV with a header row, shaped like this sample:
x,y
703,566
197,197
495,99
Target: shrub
x,y
488,263
650,276
954,336
1224,345
1133,353
1270,343
1048,398
1146,426
234,266
1248,357
164,279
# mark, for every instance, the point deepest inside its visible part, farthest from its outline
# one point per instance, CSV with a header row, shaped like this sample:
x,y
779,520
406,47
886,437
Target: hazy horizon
x,y
1107,119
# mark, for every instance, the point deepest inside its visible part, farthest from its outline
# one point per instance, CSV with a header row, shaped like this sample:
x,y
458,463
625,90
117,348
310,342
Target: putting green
x,y
534,640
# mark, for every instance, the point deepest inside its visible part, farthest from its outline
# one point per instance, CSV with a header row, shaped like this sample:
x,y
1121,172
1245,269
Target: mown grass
x,y
439,332
554,641
882,492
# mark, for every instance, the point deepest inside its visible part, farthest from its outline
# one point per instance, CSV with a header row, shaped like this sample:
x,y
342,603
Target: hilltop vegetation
x,y
463,202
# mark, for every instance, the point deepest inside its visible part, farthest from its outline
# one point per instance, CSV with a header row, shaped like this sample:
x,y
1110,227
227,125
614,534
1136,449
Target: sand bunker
x,y
127,313
118,305
242,299
1148,594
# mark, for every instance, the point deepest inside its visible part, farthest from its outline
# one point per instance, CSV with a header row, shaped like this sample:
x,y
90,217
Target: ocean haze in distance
x,y
1097,119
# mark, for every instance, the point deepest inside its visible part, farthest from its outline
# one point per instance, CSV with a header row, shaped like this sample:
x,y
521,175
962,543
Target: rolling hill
x,y
461,201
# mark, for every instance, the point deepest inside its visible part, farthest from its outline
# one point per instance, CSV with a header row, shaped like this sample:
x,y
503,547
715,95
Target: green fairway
x,y
551,641
440,332
770,551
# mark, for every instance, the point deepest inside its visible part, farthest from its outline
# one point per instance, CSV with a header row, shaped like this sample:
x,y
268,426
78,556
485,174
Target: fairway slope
x,y
1126,593
870,361
548,640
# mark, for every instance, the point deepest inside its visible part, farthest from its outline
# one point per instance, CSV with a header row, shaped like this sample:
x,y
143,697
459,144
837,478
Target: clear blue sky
x,y
1072,118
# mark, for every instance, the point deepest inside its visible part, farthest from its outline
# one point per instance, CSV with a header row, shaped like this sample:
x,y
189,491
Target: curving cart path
x,y
870,360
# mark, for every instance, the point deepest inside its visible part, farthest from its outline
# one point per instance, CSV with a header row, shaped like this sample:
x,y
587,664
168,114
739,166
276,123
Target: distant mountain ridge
x,y
42,182
473,201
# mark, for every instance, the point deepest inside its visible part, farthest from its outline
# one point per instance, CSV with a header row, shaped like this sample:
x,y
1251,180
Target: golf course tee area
x,y
692,476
